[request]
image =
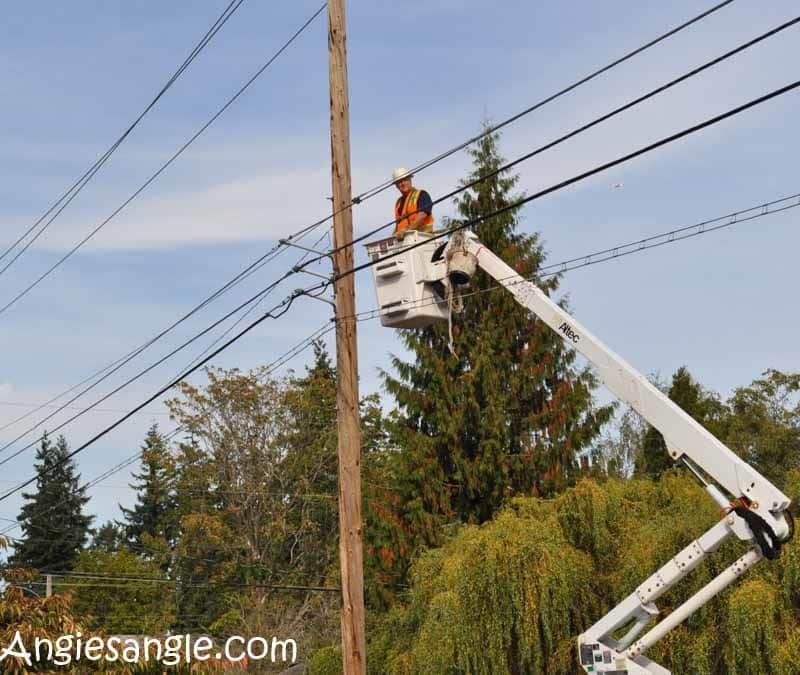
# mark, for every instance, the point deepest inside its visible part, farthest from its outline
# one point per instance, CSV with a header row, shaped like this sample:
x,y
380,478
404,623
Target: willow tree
x,y
506,412
513,594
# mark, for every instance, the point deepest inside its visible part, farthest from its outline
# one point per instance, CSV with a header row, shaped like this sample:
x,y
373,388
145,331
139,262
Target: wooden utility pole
x,y
351,553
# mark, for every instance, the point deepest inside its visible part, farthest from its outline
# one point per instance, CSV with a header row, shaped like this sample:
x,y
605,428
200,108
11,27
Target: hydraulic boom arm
x,y
759,520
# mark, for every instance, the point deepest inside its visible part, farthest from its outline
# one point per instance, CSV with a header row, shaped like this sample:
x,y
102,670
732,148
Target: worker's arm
x,y
416,221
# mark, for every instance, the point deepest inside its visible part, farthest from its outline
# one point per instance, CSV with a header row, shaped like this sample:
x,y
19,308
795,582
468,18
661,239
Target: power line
x,y
637,246
291,353
240,277
39,406
76,187
125,463
248,271
549,99
129,357
113,367
283,358
586,174
164,580
613,113
134,378
372,192
164,166
257,264
252,308
593,123
285,305
253,302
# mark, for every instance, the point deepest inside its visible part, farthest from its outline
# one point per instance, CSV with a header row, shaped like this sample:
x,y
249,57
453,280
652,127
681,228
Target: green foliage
x,y
152,519
326,661
109,538
513,594
54,527
126,606
751,628
309,470
703,406
760,422
256,494
763,424
507,416
497,598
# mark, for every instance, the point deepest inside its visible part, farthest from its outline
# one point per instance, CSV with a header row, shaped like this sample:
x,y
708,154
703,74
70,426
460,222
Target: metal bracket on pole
x,y
286,242
300,268
300,292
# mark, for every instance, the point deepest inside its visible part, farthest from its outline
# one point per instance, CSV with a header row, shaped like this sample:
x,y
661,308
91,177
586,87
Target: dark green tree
x,y
702,405
108,538
509,412
54,527
152,519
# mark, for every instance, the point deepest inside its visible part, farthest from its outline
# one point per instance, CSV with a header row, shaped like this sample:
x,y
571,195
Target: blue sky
x,y
422,76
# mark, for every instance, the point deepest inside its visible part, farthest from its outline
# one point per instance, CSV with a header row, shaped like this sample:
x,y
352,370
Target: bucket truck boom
x,y
760,517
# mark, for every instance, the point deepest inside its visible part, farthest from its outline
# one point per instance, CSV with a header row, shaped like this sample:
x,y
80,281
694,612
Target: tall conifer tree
x,y
54,526
153,517
508,413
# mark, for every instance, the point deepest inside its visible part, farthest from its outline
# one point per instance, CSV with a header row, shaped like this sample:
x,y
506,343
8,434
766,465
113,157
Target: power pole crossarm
x,y
347,400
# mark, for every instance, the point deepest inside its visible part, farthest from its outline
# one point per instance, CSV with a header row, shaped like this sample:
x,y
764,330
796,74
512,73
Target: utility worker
x,y
414,208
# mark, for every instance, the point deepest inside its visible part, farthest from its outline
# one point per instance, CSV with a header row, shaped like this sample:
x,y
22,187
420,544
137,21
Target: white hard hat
x,y
399,173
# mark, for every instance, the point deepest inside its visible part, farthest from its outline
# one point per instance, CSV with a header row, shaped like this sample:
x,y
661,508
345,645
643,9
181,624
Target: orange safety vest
x,y
404,207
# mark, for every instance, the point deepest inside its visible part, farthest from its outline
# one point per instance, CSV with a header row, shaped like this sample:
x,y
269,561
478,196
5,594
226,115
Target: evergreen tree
x,y
109,538
703,406
152,519
54,526
510,411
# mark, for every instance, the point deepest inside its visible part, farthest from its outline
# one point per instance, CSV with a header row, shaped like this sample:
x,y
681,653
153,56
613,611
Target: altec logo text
x,y
567,330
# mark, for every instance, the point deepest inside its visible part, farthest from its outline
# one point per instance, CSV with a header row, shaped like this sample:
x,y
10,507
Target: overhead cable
x,y
258,263
622,250
76,187
276,312
286,304
139,375
613,113
372,192
292,352
581,176
163,167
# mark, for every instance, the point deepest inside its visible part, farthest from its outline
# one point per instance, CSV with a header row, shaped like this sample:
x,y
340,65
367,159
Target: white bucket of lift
x,y
407,282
